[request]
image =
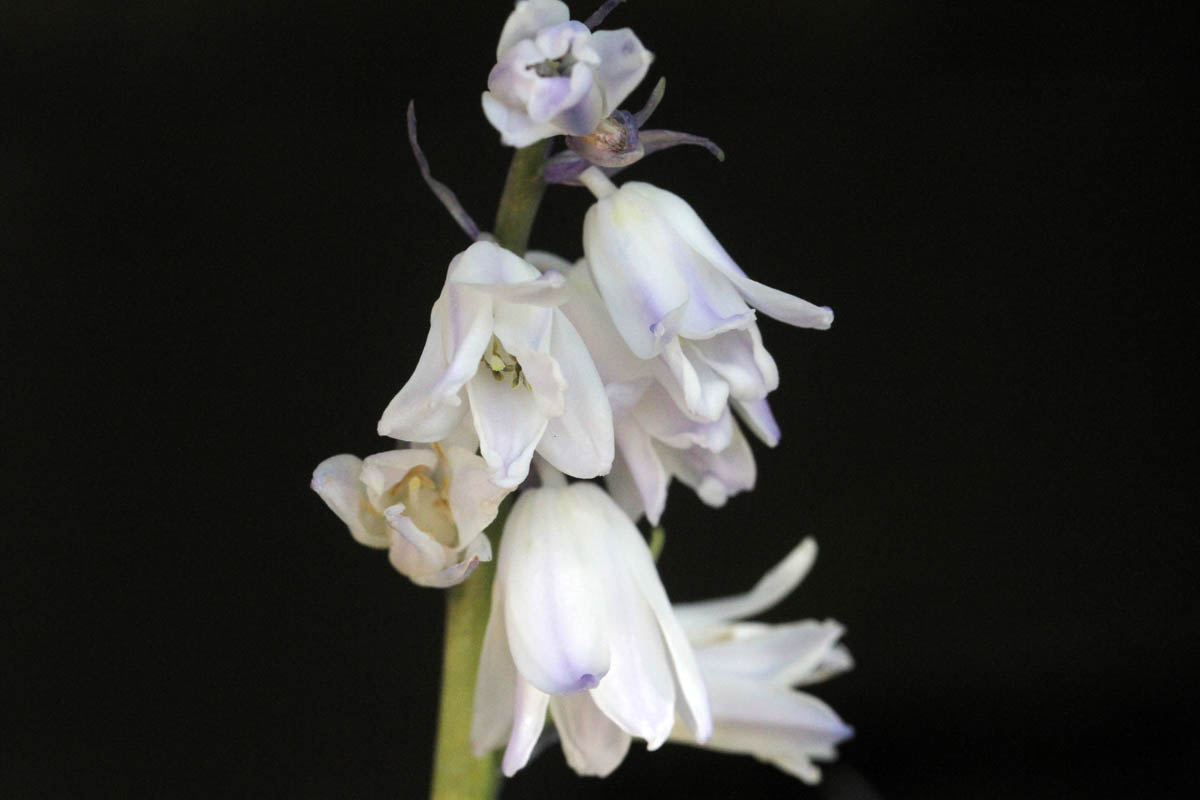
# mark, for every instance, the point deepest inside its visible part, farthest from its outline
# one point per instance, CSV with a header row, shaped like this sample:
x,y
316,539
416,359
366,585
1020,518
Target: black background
x,y
222,260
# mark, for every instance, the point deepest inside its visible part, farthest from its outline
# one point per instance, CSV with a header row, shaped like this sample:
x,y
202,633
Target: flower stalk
x,y
457,774
523,190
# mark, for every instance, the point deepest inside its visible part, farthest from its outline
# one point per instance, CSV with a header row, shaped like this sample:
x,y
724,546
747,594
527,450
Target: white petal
x,y
548,290
487,267
759,419
556,576
714,305
662,419
692,384
546,261
691,701
428,407
592,743
700,618
579,441
783,654
585,308
623,64
515,126
581,109
715,477
336,481
413,552
463,436
509,427
529,17
474,499
648,476
529,717
772,302
785,727
741,360
495,683
622,488
467,325
836,661
631,257
566,99
638,693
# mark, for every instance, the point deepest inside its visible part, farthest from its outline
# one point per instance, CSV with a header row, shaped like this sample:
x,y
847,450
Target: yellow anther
x,y
495,362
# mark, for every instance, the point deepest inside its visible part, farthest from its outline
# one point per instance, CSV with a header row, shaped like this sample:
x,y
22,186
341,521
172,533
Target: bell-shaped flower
x,y
496,337
657,438
427,506
581,624
554,76
676,296
751,670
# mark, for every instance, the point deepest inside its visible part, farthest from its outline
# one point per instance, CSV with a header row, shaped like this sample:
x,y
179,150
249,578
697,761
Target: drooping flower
x,y
751,670
656,437
554,76
496,336
676,296
427,506
581,624
656,442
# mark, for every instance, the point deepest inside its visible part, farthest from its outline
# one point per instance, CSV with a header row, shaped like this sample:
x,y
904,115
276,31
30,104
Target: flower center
x,y
554,67
503,364
426,503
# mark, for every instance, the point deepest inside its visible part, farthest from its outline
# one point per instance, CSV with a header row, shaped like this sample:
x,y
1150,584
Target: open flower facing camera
x,y
640,362
554,76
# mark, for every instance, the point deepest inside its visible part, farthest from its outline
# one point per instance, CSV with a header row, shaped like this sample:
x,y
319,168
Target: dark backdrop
x,y
222,260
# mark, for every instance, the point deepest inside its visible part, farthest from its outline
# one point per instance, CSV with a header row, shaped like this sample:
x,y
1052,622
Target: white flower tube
x,y
428,507
751,668
675,295
580,624
496,336
554,76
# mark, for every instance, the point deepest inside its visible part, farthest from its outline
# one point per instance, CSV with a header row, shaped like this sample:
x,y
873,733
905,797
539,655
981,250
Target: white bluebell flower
x,y
581,625
427,506
554,76
751,670
676,296
497,340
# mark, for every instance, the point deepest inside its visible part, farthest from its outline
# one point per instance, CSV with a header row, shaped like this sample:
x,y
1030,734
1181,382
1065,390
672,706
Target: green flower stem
x,y
523,190
457,774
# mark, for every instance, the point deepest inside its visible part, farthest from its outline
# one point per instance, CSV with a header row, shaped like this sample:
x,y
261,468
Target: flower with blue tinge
x,y
581,625
751,670
676,296
497,341
553,76
657,438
